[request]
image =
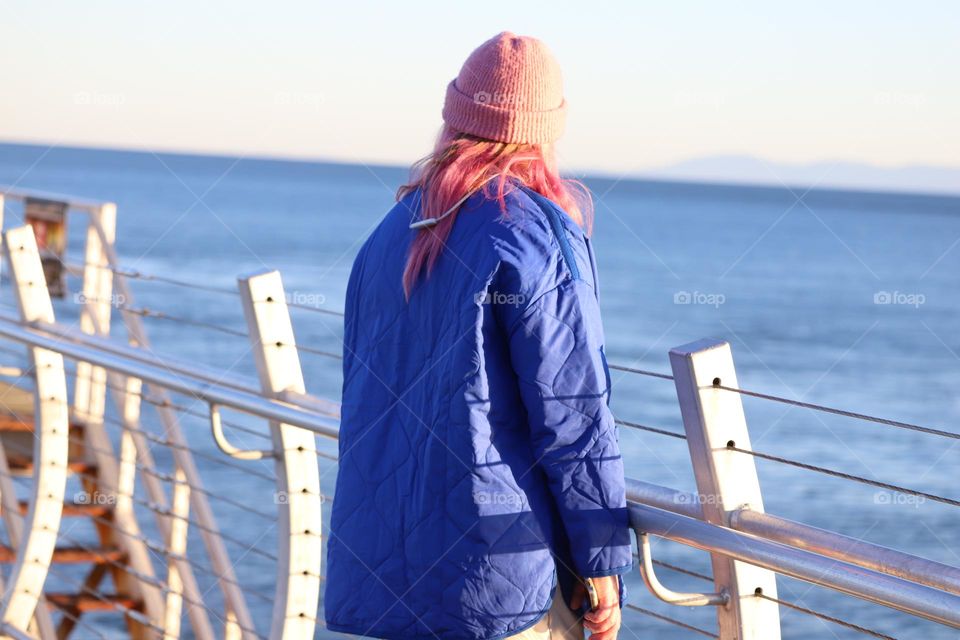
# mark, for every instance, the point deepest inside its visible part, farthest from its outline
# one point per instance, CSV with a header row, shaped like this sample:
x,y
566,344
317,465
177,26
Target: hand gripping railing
x,y
870,572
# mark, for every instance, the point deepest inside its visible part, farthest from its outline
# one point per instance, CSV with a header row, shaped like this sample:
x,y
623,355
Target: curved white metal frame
x,y
220,439
299,501
51,445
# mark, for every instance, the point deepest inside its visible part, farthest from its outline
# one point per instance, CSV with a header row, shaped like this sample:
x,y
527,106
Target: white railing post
x,y
298,476
170,521
726,480
239,621
89,405
177,544
95,301
43,623
51,445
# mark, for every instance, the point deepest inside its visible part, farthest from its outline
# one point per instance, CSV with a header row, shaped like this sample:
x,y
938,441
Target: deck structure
x,y
156,557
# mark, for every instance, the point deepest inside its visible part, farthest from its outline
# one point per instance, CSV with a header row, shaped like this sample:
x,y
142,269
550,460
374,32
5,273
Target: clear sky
x,y
648,83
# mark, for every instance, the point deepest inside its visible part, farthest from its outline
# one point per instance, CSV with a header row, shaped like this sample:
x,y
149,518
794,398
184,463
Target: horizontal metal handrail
x,y
834,545
861,569
192,369
182,382
197,370
803,536
872,586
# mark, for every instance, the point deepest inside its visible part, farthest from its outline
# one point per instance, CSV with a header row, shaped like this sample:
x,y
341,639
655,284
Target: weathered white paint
x,y
51,445
298,477
726,480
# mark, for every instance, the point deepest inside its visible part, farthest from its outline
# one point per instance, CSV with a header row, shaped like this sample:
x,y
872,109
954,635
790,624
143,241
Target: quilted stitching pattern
x,y
477,451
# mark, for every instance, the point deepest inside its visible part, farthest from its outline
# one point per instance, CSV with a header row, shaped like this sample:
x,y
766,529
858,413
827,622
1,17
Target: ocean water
x,y
844,299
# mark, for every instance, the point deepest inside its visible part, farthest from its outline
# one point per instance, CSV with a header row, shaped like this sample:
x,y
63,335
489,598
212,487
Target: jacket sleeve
x,y
556,348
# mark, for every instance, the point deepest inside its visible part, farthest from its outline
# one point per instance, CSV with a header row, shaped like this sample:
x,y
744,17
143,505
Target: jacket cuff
x,y
603,573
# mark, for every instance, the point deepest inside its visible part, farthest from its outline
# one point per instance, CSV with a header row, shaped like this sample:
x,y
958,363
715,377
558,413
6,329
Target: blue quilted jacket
x,y
479,461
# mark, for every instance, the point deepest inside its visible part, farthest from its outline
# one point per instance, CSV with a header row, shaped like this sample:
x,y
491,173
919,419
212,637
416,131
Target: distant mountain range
x,y
831,175
720,169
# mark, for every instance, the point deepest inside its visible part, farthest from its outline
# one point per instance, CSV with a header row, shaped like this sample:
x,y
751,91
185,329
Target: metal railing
x,y
725,517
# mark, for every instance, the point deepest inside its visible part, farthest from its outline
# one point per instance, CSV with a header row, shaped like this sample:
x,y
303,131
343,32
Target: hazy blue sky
x,y
649,84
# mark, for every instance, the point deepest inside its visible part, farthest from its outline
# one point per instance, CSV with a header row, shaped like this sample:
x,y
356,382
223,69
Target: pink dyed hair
x,y
460,164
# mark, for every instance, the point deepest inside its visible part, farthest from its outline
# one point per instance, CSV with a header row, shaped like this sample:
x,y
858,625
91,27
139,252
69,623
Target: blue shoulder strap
x,y
556,224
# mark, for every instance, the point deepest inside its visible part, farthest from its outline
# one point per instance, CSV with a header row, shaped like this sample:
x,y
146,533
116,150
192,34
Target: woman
x,y
479,462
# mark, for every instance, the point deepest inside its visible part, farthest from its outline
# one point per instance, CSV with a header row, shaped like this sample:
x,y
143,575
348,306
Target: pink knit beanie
x,y
509,90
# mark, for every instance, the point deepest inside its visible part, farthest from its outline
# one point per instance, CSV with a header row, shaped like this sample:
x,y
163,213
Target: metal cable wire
x,y
140,275
153,401
153,507
678,569
167,553
246,590
845,476
918,428
145,312
642,372
824,616
136,615
148,399
327,456
162,550
790,605
167,477
166,511
165,442
204,456
842,412
674,621
151,313
173,480
217,532
642,427
306,307
85,589
151,580
313,351
78,621
184,409
673,567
